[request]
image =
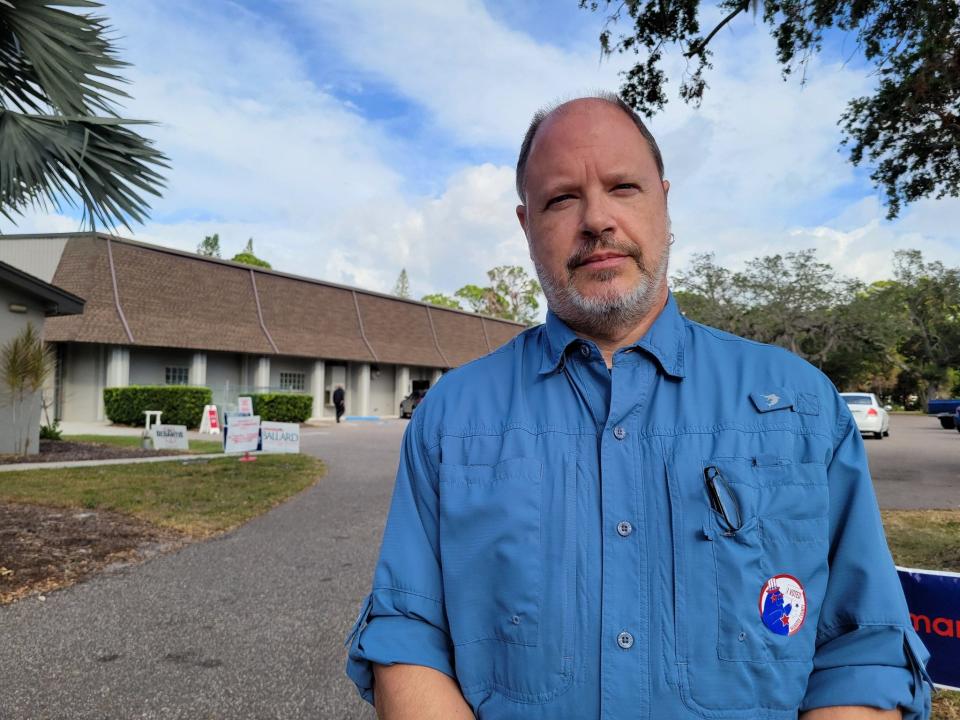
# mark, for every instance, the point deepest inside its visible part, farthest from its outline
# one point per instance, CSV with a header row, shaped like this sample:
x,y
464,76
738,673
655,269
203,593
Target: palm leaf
x,y
56,74
46,161
55,59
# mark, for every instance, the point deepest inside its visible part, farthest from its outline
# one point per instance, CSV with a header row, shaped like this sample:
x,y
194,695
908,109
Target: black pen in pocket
x,y
722,499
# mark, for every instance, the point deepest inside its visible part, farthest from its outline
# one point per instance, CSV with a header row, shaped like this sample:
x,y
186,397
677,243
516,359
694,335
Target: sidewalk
x,y
14,467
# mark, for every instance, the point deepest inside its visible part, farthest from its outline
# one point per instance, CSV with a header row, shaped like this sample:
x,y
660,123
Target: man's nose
x,y
597,217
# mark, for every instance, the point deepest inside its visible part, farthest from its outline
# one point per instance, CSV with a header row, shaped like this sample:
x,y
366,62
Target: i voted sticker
x,y
783,604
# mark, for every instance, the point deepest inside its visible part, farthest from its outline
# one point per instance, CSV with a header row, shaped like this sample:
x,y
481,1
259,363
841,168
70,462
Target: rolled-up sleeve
x,y
867,651
403,620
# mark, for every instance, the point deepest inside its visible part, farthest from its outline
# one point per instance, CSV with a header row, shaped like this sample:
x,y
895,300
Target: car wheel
x,y
886,433
878,435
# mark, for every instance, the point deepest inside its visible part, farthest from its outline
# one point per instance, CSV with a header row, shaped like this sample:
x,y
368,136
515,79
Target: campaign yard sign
x,y
245,405
169,437
933,598
278,437
241,434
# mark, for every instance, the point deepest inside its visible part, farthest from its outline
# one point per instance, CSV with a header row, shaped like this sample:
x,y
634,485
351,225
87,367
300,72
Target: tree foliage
x,y
908,129
441,300
210,246
61,138
510,295
247,257
402,286
897,337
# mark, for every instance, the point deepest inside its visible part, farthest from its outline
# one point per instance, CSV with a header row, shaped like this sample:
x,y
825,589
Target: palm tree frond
x,y
45,160
53,59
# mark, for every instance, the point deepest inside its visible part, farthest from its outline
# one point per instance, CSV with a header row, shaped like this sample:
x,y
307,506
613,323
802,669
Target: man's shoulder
x,y
492,365
724,345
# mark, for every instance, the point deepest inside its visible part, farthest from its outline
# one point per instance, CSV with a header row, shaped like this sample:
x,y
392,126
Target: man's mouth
x,y
601,260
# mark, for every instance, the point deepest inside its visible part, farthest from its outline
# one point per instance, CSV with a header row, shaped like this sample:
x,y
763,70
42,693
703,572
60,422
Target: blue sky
x,y
353,139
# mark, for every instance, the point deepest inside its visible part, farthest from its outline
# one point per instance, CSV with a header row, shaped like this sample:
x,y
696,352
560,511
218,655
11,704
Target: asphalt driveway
x,y
247,626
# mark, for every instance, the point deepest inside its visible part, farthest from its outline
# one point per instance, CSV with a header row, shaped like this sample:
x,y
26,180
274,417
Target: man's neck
x,y
609,342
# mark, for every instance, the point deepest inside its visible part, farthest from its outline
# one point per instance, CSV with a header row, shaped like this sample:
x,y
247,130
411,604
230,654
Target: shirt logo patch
x,y
771,399
783,604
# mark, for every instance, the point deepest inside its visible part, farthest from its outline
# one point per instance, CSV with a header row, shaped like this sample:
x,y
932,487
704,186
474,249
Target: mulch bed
x,y
42,548
65,451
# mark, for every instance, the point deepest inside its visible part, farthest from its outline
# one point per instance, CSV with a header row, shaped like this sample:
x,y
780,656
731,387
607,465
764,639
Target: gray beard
x,y
607,315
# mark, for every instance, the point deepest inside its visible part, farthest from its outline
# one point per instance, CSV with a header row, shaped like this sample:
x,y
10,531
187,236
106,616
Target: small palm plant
x,y
60,137
25,365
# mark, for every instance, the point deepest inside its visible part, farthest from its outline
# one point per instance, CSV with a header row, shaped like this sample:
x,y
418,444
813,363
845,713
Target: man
x,y
338,401
622,513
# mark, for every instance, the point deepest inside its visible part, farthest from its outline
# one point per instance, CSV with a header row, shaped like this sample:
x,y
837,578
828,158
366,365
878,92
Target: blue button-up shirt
x,y
691,533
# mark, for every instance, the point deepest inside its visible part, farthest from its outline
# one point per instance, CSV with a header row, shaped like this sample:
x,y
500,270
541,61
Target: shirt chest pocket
x,y
490,550
756,570
508,557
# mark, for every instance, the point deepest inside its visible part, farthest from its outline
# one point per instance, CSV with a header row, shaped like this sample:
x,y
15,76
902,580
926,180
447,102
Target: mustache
x,y
604,241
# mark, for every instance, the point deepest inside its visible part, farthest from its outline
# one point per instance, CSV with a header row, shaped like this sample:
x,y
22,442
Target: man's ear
x,y
666,187
522,217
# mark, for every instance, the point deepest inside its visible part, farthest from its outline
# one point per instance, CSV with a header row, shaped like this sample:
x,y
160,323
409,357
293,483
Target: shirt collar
x,y
664,340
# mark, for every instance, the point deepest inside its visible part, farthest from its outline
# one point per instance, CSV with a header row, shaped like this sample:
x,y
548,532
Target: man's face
x,y
596,218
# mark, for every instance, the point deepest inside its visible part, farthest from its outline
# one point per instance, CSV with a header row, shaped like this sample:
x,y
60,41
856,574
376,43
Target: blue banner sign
x,y
933,598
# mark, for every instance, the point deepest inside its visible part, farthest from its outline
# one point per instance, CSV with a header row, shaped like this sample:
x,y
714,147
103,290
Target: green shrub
x,y
51,432
180,404
282,407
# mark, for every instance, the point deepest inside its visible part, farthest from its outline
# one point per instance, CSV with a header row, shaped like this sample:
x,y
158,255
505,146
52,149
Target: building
x,y
156,315
26,299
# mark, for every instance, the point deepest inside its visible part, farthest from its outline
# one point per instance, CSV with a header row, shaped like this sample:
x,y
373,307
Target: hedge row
x,y
282,407
180,404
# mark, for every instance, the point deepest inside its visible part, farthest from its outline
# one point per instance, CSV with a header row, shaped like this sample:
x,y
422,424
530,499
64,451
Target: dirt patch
x,y
66,451
43,549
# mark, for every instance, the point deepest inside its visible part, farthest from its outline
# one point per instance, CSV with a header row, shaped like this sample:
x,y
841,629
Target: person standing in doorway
x,y
338,401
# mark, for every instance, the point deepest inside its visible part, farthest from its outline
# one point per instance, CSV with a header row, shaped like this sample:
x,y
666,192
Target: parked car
x,y
868,413
944,410
410,402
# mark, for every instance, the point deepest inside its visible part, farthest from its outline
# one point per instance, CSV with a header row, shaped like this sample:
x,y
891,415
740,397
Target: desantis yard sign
x,y
277,437
169,437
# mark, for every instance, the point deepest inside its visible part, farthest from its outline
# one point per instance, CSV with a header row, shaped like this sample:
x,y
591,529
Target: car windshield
x,y
858,399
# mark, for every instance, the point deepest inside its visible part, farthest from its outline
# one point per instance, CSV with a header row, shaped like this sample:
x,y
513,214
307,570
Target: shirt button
x,y
625,640
585,350
619,433
624,528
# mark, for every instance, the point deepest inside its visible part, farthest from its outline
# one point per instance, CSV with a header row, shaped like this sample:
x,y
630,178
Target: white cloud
x,y
262,146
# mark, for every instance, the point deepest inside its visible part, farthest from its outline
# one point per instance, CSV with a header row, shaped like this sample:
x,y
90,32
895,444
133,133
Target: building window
x,y
177,376
292,381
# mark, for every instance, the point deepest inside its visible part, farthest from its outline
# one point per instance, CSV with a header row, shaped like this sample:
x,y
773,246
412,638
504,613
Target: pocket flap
x,y
775,398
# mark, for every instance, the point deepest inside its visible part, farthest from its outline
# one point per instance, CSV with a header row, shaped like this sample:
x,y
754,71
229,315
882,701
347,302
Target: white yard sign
x,y
169,437
243,434
245,405
280,437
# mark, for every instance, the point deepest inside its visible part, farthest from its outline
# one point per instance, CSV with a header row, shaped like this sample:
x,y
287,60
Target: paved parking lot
x,y
917,466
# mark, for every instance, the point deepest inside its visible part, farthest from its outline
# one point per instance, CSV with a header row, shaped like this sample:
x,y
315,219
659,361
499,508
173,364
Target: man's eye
x,y
558,199
626,187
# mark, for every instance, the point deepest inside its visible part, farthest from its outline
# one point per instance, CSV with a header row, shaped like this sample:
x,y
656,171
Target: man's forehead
x,y
587,123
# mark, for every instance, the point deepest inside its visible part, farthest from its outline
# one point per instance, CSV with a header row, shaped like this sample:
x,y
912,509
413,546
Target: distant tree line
x,y
899,338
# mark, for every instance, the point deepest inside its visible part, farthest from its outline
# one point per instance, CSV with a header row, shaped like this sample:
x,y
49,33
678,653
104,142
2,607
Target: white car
x,y
868,413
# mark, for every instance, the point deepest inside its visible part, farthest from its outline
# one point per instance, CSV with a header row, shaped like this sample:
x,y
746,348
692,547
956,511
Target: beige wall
x,y
83,376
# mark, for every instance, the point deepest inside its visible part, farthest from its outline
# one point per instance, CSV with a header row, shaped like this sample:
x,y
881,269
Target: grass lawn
x,y
133,441
197,497
928,539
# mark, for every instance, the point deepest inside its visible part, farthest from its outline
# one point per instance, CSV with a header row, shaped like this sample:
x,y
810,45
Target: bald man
x,y
622,513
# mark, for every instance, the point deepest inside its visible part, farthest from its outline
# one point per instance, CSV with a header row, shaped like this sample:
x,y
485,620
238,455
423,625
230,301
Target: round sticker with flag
x,y
783,604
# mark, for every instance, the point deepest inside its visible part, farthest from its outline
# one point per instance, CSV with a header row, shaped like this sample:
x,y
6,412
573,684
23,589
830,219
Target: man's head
x,y
594,210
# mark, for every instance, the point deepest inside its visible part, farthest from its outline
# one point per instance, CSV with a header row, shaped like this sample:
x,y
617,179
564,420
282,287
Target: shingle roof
x,y
169,298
